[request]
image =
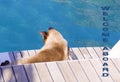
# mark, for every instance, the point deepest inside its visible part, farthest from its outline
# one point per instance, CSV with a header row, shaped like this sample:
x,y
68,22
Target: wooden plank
x,y
89,70
37,51
99,52
70,52
98,68
92,52
11,55
32,73
43,72
85,53
25,54
17,55
55,72
1,76
31,52
73,55
30,68
8,74
67,72
78,71
20,73
116,62
78,53
113,71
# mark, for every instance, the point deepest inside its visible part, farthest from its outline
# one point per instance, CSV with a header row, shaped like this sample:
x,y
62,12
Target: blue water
x,y
79,21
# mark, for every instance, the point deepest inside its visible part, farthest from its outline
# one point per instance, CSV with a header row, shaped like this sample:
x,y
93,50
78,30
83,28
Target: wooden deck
x,y
84,65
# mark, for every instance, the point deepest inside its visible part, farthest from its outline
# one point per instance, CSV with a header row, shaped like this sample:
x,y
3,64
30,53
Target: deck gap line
x,y
35,52
34,66
2,74
70,54
49,71
102,61
21,54
88,52
84,71
115,65
95,70
74,55
37,72
13,56
28,53
61,71
26,73
72,70
81,53
14,74
109,74
96,53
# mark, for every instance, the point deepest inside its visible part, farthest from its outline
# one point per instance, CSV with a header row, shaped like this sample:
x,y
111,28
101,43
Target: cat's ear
x,y
44,35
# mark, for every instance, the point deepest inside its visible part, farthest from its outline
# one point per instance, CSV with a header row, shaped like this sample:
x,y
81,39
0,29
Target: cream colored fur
x,y
55,49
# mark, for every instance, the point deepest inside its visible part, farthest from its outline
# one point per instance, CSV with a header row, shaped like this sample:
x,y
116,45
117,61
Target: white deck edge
x,y
115,51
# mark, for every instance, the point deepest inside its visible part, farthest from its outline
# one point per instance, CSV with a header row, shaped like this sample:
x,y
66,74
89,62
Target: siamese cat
x,y
55,49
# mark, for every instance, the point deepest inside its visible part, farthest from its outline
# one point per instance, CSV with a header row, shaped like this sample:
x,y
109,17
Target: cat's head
x,y
51,35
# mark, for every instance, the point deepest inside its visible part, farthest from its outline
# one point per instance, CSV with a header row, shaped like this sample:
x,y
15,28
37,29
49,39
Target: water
x,y
79,21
